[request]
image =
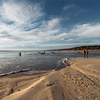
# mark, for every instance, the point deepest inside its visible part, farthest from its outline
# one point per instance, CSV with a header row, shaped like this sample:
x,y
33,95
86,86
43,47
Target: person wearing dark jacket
x,y
87,53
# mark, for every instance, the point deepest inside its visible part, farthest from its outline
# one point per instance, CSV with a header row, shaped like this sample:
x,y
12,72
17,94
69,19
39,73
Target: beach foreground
x,y
80,81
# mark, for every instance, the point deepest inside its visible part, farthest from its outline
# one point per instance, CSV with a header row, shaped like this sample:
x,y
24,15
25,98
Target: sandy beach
x,y
79,81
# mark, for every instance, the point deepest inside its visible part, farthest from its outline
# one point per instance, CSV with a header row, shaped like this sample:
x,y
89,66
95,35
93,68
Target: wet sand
x,y
79,81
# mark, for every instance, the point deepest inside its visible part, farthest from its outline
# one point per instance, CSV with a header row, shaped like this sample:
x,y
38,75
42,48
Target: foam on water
x,y
62,64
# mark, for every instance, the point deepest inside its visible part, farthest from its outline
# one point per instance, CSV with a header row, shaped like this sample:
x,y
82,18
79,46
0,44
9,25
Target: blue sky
x,y
49,24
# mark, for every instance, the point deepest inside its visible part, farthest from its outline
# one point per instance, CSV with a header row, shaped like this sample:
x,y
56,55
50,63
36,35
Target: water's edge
x,y
61,64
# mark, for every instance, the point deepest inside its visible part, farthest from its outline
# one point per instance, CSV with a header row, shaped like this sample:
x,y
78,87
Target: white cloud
x,y
82,31
53,23
69,39
73,10
4,40
86,31
67,7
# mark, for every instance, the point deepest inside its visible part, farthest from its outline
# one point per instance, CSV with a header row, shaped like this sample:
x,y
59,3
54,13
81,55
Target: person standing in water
x,y
84,53
87,53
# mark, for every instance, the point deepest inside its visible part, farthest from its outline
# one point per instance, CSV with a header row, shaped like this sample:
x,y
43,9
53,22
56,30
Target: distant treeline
x,y
94,47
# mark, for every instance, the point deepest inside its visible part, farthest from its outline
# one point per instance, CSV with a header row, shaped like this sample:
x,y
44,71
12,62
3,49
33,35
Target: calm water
x,y
11,61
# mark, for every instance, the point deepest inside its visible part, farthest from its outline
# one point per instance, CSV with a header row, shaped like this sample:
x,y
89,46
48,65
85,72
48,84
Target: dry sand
x,y
80,81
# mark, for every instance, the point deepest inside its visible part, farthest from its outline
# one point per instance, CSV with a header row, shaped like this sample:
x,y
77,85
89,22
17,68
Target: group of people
x,y
85,53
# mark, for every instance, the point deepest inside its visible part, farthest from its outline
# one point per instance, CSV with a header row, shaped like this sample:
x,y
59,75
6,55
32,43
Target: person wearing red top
x,y
84,53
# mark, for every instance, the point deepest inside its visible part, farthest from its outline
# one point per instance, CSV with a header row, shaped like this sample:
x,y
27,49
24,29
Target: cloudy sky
x,y
49,24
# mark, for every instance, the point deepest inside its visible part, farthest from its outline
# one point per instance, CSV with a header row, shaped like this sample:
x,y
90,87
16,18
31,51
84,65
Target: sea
x,y
11,61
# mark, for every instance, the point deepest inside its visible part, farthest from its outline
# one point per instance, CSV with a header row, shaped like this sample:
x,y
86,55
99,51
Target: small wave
x,y
26,71
15,72
37,71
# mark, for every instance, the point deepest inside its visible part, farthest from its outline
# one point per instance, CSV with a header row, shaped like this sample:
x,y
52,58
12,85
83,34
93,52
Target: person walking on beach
x,y
84,53
87,53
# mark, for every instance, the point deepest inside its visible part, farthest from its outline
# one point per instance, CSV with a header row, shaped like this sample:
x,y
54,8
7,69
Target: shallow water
x,y
11,61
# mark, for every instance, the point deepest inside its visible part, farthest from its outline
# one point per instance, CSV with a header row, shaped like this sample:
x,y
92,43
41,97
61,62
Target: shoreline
x,y
26,72
62,64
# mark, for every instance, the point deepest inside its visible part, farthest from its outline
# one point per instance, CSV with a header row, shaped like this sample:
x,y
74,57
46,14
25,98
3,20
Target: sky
x,y
49,24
